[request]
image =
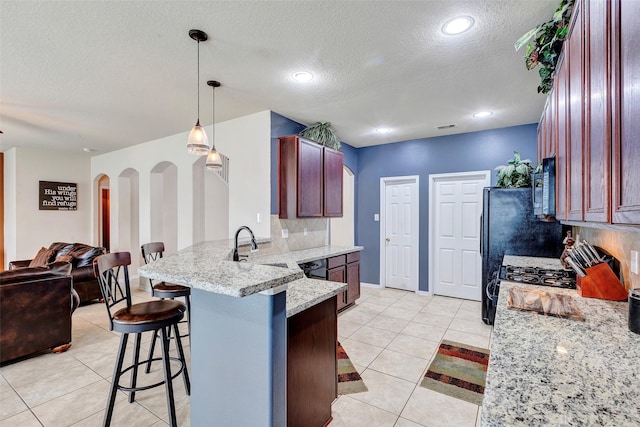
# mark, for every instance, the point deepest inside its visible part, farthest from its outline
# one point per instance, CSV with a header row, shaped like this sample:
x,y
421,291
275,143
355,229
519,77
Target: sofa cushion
x,y
82,254
42,258
64,258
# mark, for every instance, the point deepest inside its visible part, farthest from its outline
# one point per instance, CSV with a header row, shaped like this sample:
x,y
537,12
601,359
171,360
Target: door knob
x,y
387,239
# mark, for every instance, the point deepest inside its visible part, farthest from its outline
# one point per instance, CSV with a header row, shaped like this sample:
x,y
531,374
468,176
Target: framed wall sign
x,y
58,196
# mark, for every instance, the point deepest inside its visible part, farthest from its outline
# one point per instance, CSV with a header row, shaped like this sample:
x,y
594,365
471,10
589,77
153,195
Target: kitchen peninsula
x,y
246,319
551,371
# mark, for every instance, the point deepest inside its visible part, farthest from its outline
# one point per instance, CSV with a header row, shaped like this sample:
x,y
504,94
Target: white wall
x,y
246,141
27,228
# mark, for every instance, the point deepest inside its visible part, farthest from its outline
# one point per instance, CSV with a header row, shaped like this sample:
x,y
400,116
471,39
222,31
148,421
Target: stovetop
x,y
539,276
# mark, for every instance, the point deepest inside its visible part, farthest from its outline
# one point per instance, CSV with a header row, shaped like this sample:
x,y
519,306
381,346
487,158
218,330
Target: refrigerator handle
x,y
481,233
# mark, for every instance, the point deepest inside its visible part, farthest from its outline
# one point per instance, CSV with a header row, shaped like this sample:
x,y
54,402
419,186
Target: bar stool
x,y
152,252
159,315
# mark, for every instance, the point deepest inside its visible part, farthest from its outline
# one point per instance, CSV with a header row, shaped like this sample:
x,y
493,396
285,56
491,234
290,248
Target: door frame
x,y
486,174
384,181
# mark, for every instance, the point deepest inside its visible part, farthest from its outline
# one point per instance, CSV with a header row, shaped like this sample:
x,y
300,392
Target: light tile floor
x,y
390,335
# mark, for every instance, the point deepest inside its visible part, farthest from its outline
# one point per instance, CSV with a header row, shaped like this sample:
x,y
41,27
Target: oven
x,y
315,269
525,275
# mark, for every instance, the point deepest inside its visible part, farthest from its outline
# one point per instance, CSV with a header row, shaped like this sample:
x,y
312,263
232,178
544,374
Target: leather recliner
x,y
84,281
36,304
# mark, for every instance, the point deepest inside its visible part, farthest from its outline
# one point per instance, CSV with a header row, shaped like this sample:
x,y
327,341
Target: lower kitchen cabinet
x,y
312,372
345,269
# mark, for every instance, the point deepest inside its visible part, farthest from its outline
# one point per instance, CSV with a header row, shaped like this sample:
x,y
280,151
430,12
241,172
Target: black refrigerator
x,y
509,227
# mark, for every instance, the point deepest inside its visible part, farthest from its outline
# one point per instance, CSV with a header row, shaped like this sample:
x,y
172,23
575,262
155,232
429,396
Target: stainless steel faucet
x,y
254,245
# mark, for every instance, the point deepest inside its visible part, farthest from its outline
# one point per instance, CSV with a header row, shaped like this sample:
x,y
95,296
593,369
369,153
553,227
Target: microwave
x,y
544,190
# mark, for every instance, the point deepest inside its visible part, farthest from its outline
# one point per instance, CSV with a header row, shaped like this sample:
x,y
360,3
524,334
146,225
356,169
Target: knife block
x,y
602,283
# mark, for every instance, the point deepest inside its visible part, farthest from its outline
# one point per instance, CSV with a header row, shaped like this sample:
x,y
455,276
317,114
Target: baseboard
x,y
370,285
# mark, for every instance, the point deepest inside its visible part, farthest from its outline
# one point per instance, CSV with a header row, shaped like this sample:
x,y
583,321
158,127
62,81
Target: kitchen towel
x,y
458,370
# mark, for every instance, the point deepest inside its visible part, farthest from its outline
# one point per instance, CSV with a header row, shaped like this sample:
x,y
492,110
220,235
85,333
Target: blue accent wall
x,y
447,154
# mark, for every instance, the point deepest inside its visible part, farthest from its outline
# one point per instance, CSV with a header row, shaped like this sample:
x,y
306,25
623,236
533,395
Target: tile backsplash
x,y
303,234
619,243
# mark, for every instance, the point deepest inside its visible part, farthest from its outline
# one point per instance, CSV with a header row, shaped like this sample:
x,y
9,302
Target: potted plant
x,y
322,133
544,50
515,174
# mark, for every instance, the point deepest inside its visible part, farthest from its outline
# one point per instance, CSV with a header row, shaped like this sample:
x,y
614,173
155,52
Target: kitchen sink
x,y
278,264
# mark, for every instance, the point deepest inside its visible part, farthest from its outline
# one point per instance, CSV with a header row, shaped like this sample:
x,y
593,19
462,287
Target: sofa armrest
x,y
19,264
83,274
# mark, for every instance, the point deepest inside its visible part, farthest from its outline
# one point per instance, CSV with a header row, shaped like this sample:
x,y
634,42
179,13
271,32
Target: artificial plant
x,y
515,174
544,44
321,132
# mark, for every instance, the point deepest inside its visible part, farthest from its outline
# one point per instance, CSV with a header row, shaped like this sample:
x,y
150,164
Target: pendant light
x,y
214,162
198,143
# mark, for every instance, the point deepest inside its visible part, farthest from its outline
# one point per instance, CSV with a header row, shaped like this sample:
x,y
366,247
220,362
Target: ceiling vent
x,y
452,125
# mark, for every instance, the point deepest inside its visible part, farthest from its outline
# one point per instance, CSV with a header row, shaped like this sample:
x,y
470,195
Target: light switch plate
x,y
285,233
259,218
635,262
376,217
306,231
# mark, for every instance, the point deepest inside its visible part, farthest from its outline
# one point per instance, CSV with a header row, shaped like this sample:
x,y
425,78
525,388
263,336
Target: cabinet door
x,y
550,144
575,103
562,134
626,112
309,179
597,141
333,160
338,274
542,137
353,282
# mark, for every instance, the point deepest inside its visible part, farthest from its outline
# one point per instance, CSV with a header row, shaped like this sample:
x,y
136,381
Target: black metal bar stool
x,y
153,316
152,252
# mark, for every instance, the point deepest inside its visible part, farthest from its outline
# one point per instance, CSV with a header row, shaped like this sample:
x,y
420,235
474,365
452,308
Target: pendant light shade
x,y
214,161
198,143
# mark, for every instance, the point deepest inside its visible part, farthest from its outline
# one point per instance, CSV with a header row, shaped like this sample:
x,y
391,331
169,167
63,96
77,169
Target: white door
x,y
400,241
456,264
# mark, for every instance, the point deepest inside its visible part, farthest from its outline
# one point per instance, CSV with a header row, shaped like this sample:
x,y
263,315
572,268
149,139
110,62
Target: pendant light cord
x,y
198,82
213,117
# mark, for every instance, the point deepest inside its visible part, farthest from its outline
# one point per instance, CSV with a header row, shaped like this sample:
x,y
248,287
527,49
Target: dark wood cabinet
x,y
597,130
309,179
562,138
333,161
626,112
312,375
594,108
574,65
345,269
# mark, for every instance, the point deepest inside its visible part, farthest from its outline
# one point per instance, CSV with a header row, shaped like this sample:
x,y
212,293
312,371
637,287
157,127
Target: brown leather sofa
x,y
84,282
36,304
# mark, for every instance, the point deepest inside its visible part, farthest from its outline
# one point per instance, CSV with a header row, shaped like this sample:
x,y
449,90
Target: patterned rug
x,y
458,370
349,380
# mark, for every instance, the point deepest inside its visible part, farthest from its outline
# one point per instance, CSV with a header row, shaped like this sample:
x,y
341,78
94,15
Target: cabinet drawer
x,y
353,257
336,261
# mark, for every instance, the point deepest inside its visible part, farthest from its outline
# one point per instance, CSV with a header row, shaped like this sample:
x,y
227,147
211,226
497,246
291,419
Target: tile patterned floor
x,y
390,335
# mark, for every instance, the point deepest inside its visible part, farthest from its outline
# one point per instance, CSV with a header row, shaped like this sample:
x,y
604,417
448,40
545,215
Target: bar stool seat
x,y
159,317
152,252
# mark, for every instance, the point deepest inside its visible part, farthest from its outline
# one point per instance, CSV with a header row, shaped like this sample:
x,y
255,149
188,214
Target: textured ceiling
x,y
110,74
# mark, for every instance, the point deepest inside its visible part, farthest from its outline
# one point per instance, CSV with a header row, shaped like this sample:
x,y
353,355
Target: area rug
x,y
349,380
458,370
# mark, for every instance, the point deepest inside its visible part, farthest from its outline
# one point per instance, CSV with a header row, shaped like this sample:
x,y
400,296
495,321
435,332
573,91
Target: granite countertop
x,y
206,266
548,371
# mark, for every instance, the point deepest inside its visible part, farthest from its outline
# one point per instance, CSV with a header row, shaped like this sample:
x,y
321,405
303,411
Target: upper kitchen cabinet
x,y
597,123
333,160
574,63
626,112
562,129
309,179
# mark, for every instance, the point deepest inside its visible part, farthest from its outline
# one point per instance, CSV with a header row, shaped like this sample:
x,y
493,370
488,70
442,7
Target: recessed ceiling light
x,y
481,114
383,130
88,150
302,76
457,25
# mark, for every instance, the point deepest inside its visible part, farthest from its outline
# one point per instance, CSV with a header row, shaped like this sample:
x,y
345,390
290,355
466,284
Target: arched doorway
x,y
103,211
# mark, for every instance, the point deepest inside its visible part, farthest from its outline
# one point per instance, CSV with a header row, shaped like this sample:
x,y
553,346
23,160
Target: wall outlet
x,y
259,218
306,231
285,233
635,262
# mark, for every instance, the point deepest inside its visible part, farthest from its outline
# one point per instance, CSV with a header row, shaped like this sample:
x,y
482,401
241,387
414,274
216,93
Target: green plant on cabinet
x,y
515,174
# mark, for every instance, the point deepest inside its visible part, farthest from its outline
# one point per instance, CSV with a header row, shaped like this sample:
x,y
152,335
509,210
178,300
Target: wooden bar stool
x,y
112,273
152,252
